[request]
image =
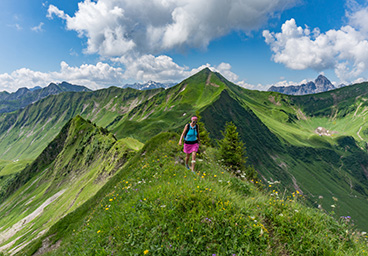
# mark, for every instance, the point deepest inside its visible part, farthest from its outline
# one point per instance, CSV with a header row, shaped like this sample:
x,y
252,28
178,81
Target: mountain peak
x,y
206,69
321,84
321,79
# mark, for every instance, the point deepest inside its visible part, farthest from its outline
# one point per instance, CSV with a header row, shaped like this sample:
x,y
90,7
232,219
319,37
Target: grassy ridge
x,y
171,109
154,206
25,133
318,166
71,169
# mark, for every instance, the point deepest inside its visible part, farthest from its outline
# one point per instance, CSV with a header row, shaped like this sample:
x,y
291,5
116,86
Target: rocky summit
x,y
321,84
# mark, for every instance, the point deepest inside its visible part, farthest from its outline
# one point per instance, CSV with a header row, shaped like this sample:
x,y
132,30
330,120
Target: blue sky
x,y
254,43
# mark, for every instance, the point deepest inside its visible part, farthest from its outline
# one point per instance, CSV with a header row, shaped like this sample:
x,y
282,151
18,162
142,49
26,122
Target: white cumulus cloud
x,y
136,33
162,68
114,28
344,50
102,75
92,76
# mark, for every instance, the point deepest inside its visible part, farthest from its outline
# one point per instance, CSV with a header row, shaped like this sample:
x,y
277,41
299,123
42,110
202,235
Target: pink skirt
x,y
189,148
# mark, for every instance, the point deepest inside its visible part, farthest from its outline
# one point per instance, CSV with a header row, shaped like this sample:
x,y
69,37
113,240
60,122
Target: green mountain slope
x,y
13,101
154,206
314,144
25,133
283,147
170,109
72,168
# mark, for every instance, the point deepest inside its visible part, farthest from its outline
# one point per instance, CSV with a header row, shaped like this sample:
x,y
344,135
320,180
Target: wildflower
x,y
106,208
145,252
333,206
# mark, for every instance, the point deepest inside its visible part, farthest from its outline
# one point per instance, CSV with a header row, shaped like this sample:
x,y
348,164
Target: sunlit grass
x,y
157,207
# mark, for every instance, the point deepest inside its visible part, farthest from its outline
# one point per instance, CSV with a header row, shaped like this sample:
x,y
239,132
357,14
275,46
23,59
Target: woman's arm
x,y
182,135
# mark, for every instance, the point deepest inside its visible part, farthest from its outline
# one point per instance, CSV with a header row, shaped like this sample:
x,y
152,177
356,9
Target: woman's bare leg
x,y
193,159
187,160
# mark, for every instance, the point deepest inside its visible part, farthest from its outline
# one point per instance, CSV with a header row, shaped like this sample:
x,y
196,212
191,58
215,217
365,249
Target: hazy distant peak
x,y
320,84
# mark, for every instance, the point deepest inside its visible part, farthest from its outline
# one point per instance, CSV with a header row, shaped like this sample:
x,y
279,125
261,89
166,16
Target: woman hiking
x,y
191,141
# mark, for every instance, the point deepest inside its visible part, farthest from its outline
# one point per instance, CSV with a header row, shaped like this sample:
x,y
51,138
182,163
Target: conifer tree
x,y
232,149
203,133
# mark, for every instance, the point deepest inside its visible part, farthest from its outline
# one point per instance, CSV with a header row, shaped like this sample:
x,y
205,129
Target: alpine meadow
x,y
101,172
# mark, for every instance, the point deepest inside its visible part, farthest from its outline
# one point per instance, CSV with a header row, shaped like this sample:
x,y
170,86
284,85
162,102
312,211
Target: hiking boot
x,y
187,166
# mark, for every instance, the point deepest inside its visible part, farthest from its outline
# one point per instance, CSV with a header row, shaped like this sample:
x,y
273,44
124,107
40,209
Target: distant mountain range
x,y
10,102
149,85
321,84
